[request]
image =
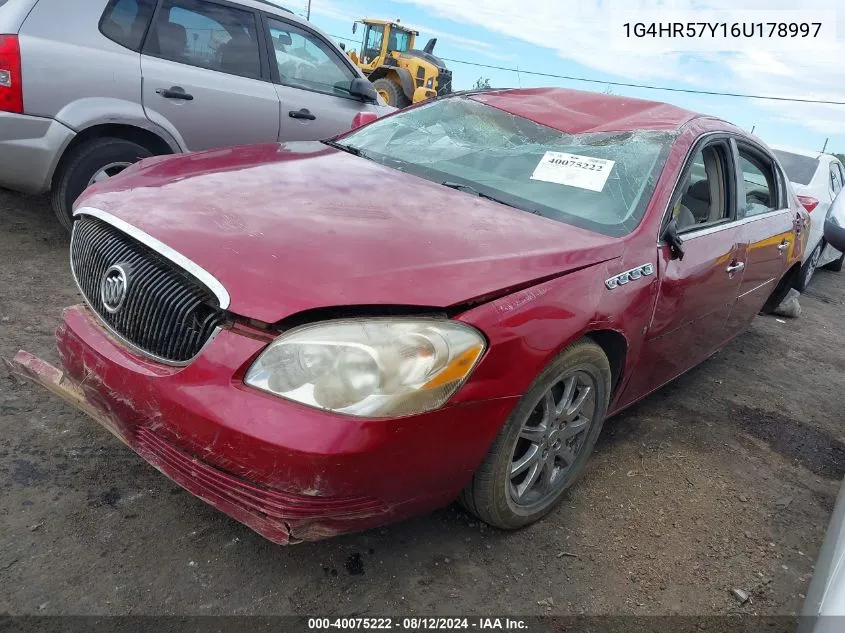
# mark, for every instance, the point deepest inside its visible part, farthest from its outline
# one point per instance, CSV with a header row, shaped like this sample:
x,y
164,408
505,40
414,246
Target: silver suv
x,y
91,86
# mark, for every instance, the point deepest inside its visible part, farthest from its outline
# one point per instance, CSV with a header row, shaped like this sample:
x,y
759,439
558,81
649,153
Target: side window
x,y
306,62
207,35
126,21
702,198
835,179
761,190
841,173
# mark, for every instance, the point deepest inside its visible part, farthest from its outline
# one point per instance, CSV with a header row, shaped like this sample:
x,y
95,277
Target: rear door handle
x,y
175,92
735,268
304,114
783,245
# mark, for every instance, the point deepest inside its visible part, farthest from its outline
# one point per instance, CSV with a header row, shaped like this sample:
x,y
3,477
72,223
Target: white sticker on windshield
x,y
584,172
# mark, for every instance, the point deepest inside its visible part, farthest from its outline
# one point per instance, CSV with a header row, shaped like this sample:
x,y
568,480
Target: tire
x,y
394,95
808,268
493,494
82,163
835,265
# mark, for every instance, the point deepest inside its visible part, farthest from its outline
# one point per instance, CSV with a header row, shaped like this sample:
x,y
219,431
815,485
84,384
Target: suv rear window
x,y
126,21
800,169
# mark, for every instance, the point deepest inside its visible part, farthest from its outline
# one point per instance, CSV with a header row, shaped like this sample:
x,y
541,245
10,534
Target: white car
x,y
817,179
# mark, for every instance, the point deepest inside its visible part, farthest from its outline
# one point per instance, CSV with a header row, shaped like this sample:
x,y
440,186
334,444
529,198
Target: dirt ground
x,y
725,479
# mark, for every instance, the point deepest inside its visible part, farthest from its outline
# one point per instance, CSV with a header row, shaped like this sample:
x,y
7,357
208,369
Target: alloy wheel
x,y
552,438
812,264
112,169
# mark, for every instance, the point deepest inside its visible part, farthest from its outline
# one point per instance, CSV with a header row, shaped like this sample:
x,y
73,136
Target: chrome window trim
x,y
723,226
202,275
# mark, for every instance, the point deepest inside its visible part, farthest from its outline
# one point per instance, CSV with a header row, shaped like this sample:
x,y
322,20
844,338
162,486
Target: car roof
x,y
802,152
272,7
578,111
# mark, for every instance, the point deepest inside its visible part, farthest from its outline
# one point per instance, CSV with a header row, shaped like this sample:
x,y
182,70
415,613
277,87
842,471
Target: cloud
x,y
582,32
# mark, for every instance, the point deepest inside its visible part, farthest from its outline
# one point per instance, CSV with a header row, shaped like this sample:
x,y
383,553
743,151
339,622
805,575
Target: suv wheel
x,y
90,162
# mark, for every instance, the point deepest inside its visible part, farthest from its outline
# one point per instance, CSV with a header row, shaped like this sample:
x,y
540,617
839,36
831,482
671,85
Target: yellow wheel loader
x,y
400,74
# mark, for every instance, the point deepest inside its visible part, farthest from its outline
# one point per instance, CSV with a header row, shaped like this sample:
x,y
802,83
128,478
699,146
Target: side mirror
x,y
673,238
354,28
834,224
284,38
363,89
342,46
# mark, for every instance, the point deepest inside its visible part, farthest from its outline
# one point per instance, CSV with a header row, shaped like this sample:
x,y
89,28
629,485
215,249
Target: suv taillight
x,y
808,202
11,87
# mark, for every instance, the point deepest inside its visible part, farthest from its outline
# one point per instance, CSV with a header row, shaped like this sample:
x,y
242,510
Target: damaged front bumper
x,y
288,472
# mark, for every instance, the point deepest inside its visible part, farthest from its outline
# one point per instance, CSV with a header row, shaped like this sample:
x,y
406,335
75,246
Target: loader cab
x,y
380,40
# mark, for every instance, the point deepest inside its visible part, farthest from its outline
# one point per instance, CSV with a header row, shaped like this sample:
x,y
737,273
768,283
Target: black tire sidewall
x,y
85,161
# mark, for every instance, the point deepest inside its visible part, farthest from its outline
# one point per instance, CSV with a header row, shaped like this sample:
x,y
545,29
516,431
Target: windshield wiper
x,y
472,190
346,148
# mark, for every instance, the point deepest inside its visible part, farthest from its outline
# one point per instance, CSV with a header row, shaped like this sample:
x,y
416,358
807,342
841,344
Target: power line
x,y
714,93
646,86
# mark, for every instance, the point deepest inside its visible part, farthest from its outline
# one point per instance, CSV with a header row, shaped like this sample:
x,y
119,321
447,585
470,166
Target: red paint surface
x,y
290,228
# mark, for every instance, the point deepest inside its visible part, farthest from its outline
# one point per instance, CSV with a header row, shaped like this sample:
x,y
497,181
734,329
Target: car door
x,y
312,81
204,77
696,291
772,229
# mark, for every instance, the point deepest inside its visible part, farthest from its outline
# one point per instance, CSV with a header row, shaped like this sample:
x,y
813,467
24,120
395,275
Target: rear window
x,y
126,21
800,169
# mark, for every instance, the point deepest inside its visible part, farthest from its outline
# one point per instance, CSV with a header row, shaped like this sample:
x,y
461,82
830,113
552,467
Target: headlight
x,y
377,367
430,82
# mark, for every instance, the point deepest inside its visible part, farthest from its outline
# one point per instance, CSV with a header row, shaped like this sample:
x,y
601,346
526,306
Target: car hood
x,y
287,228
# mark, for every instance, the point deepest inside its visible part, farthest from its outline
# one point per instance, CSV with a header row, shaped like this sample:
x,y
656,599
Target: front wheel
x,y
90,162
546,441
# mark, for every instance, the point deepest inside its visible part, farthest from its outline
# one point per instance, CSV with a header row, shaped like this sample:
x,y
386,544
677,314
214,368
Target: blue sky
x,y
572,38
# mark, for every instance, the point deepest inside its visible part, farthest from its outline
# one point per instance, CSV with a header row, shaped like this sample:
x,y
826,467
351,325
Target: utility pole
x,y
752,128
308,13
825,145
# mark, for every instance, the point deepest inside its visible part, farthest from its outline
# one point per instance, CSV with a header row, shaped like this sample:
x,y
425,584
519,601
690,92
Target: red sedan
x,y
317,338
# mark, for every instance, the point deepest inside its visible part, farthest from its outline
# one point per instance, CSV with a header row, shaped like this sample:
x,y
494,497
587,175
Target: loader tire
x,y
392,92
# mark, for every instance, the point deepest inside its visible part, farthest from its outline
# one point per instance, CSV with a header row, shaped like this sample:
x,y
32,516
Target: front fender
x,y
529,328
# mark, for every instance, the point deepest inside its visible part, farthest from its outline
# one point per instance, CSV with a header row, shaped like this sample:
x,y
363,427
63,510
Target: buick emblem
x,y
113,288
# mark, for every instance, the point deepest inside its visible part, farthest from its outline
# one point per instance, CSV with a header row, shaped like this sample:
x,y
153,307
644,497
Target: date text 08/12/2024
x,y
417,624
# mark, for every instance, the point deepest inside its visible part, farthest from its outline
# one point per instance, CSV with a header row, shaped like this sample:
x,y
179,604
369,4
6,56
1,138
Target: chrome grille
x,y
166,313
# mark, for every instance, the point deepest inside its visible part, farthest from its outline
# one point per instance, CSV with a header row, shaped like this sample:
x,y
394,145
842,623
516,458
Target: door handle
x,y
783,246
175,92
735,268
304,114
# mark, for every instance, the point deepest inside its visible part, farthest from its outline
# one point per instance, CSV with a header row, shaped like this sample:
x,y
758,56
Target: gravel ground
x,y
724,479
